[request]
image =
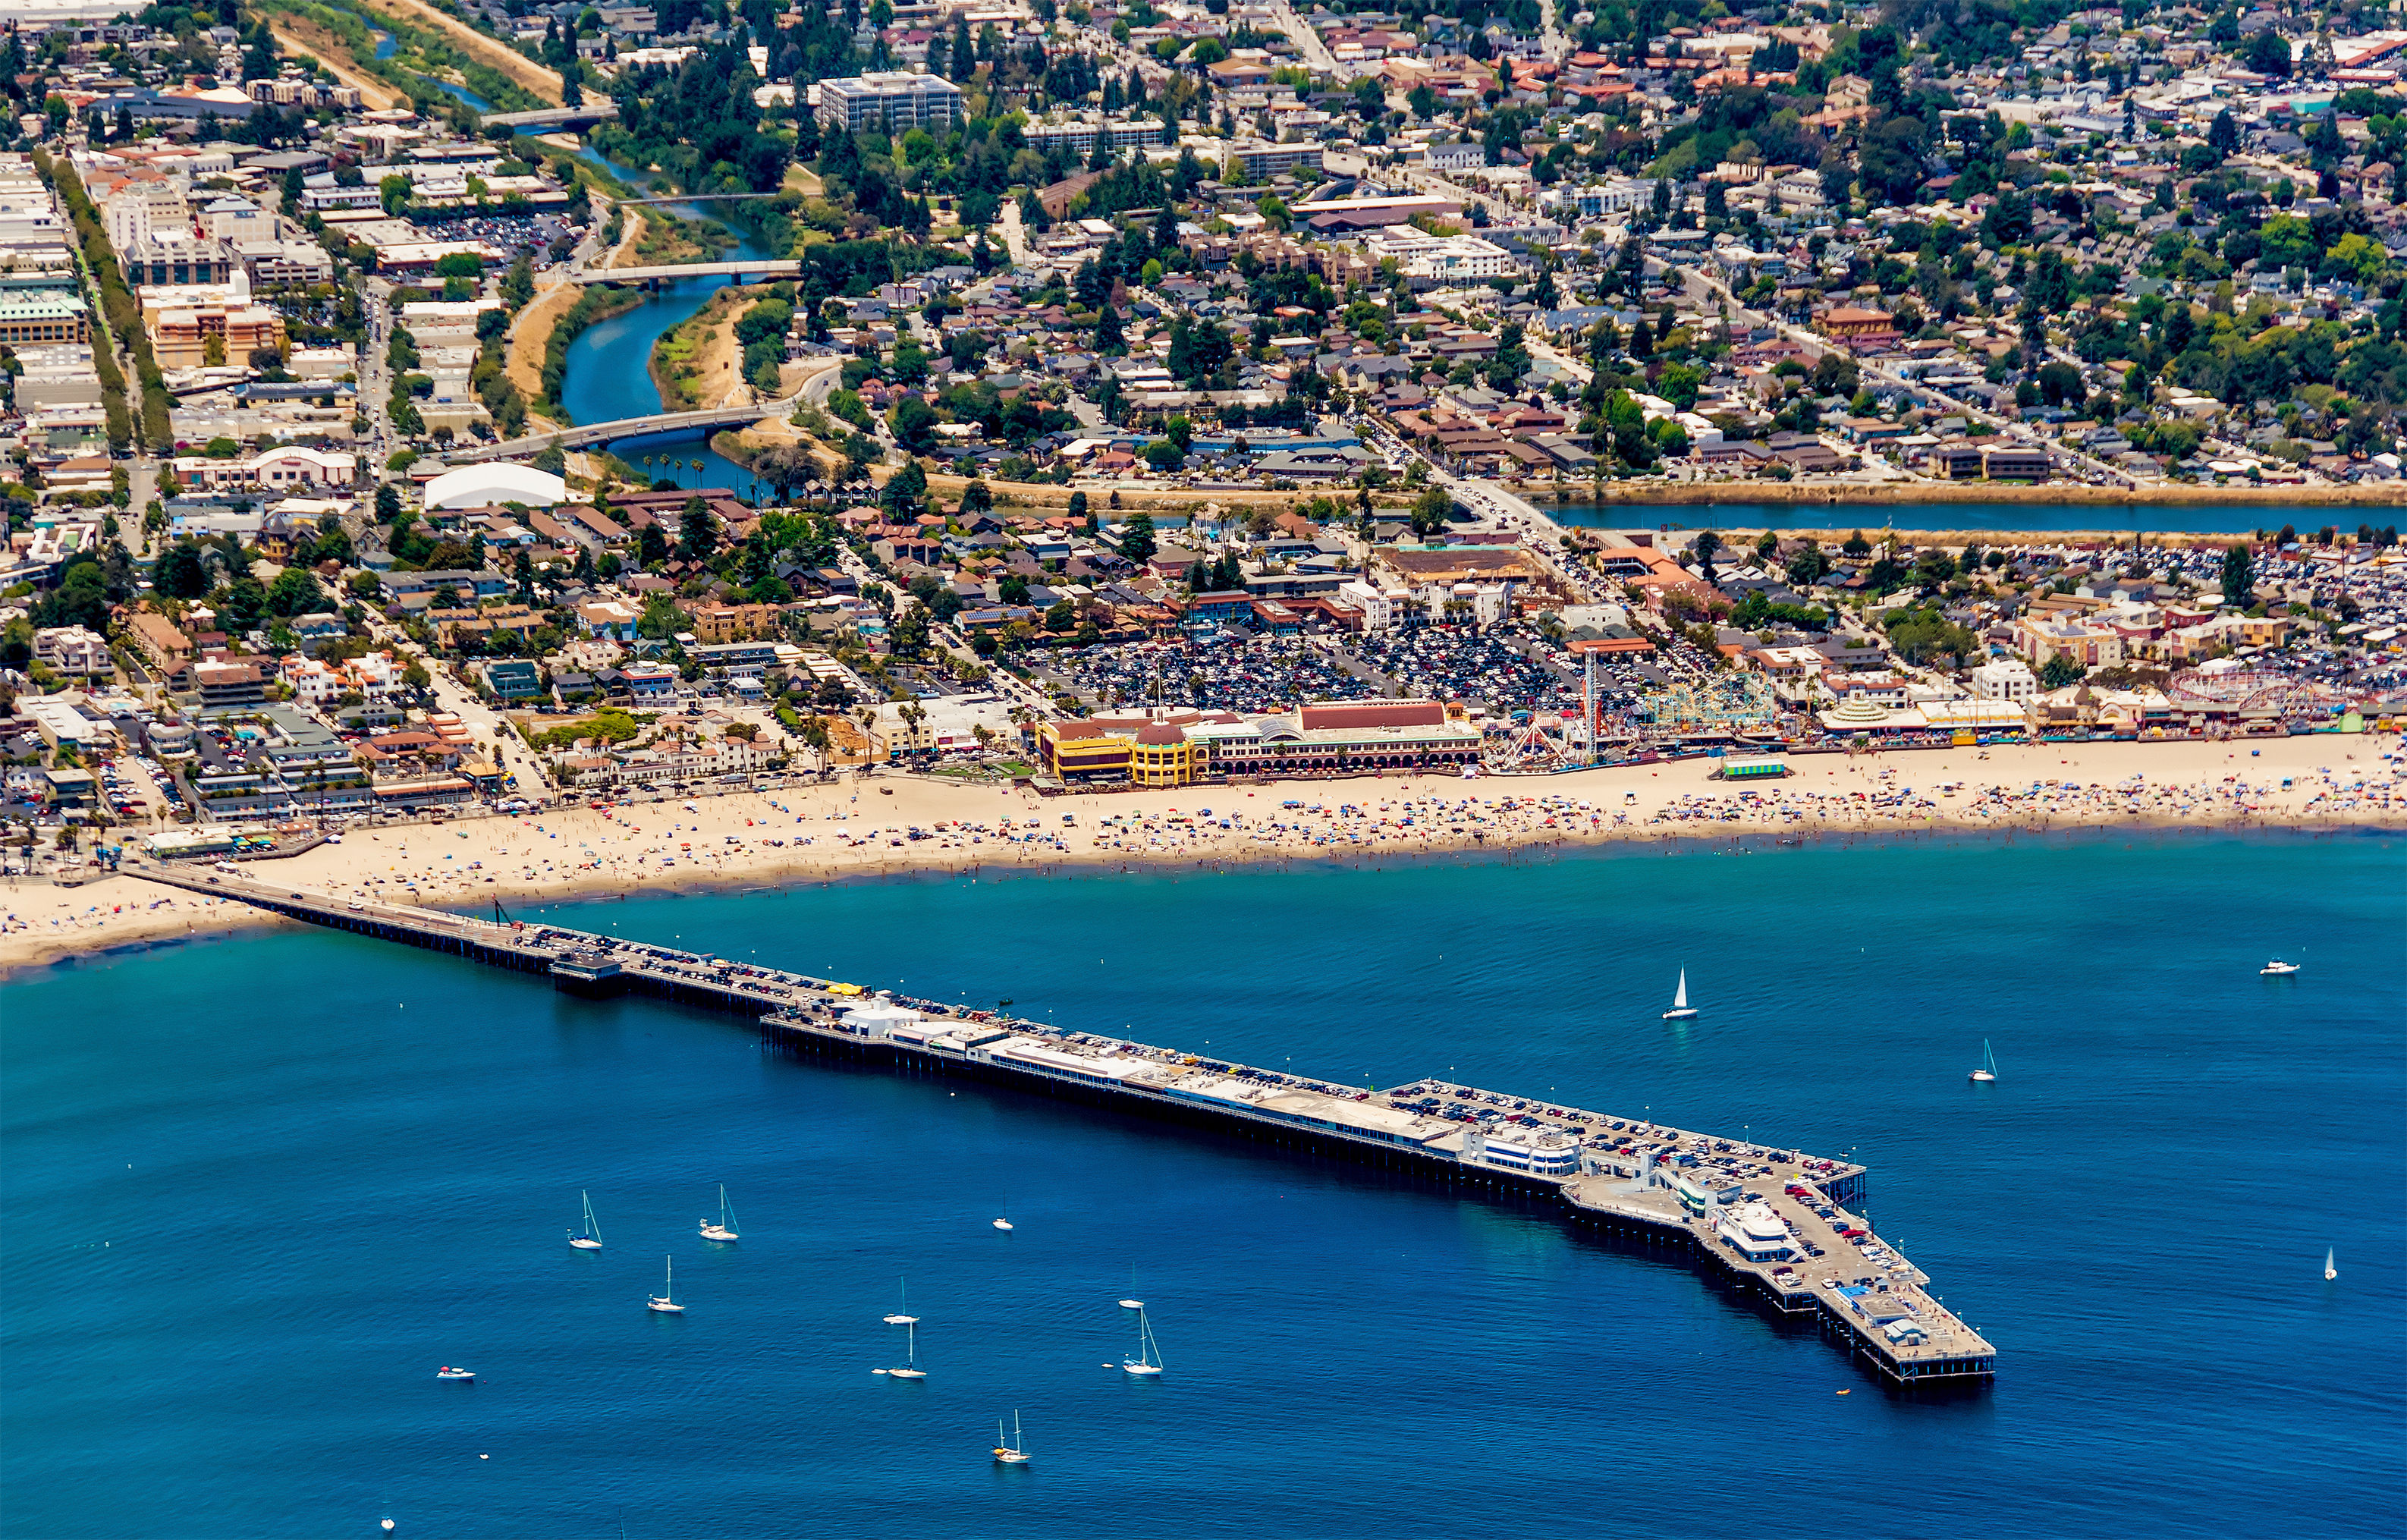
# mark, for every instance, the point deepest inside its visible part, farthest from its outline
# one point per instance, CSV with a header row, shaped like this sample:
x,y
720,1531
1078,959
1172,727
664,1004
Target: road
x,y
1316,52
1015,235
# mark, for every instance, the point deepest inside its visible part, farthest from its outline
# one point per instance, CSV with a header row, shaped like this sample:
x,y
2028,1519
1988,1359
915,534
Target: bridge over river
x,y
589,435
679,272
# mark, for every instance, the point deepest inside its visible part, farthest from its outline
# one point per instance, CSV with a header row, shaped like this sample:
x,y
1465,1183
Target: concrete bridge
x,y
555,117
679,272
697,197
589,435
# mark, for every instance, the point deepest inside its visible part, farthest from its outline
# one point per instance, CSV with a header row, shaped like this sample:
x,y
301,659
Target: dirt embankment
x,y
485,51
529,332
631,235
304,36
694,363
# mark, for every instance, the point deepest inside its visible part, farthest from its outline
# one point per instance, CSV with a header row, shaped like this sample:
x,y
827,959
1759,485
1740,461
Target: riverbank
x,y
301,35
855,829
590,309
1648,493
522,71
693,361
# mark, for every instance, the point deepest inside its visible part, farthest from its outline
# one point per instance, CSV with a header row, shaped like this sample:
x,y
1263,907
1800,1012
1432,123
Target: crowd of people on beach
x,y
890,824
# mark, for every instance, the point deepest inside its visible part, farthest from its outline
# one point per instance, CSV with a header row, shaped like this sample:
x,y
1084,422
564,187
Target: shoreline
x,y
858,830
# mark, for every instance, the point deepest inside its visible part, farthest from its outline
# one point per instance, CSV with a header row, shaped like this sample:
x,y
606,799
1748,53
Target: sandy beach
x,y
853,829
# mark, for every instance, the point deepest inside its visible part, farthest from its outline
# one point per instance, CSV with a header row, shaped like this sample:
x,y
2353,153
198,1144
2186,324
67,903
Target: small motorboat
x,y
2278,969
448,1372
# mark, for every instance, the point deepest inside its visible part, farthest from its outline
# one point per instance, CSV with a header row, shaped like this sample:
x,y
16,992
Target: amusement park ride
x,y
1736,711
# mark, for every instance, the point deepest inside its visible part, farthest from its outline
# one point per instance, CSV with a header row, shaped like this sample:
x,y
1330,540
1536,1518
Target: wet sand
x,y
859,830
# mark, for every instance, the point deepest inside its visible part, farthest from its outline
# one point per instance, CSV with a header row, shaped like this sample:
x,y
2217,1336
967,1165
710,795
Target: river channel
x,y
609,376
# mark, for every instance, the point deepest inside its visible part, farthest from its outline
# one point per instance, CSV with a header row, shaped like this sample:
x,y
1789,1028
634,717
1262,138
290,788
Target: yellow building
x,y
1082,750
1162,756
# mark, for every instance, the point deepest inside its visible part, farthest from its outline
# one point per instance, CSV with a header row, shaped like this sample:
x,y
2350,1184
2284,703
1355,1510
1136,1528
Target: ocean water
x,y
256,1189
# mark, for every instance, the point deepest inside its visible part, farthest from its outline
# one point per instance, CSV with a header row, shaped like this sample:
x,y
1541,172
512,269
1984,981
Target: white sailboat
x,y
1015,1452
1681,1010
910,1369
1002,1223
589,1238
725,1229
664,1301
2330,1271
900,1316
1989,1070
1147,1362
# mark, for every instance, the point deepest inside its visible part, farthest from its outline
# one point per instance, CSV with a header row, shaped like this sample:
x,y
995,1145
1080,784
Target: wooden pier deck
x,y
1616,1175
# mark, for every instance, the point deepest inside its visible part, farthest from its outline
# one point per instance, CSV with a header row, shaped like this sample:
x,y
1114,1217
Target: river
x,y
609,375
2236,517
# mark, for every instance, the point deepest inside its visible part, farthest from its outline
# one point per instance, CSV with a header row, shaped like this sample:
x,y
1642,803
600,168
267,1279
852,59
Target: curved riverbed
x,y
609,375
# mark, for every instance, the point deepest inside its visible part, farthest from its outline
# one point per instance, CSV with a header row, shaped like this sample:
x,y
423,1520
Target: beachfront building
x,y
1332,740
2005,680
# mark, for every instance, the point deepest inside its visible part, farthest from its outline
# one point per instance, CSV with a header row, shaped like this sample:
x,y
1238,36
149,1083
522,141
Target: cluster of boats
x,y
1144,1364
587,1236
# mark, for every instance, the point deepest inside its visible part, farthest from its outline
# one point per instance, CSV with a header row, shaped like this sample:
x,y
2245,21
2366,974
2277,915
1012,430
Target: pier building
x,y
1781,1226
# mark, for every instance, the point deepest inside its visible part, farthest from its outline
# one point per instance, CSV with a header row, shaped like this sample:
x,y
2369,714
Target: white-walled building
x,y
1383,609
72,650
2005,679
1447,259
291,466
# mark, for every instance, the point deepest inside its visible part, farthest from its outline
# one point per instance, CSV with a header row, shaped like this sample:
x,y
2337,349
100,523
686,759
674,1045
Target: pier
x,y
1780,1226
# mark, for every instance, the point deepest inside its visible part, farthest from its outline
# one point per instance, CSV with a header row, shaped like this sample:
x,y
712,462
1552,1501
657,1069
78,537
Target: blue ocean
x,y
257,1190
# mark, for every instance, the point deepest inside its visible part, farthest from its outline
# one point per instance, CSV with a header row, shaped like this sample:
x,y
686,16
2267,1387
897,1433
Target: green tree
x,y
2239,575
697,530
2058,671
296,592
1137,541
1431,512
181,572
